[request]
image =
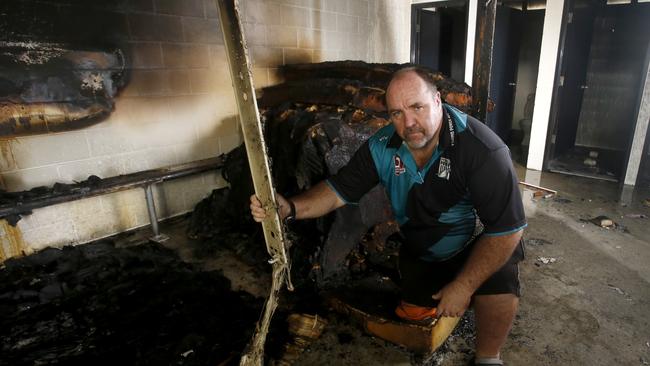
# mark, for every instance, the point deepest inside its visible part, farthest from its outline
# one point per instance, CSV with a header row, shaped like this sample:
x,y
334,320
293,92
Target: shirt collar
x,y
448,133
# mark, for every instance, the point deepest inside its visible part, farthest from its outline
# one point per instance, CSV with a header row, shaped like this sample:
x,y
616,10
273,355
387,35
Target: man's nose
x,y
409,120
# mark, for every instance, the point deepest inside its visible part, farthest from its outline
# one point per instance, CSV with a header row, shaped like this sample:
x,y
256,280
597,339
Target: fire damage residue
x,y
50,87
96,304
313,124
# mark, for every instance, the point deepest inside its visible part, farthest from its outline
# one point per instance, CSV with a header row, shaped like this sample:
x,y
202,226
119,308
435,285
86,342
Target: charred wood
x,y
363,84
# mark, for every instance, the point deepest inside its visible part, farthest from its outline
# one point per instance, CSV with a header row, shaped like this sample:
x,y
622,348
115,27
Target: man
x,y
440,168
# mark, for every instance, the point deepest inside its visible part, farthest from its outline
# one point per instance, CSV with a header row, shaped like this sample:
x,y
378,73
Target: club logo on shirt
x,y
399,165
444,169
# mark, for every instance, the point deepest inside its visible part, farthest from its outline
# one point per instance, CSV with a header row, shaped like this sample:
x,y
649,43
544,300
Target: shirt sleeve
x,y
356,178
494,192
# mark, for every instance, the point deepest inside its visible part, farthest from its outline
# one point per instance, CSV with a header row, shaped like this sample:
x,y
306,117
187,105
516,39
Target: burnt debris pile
x,y
313,123
96,304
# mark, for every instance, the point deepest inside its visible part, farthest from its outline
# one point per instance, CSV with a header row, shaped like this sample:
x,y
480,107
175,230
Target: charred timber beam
x,y
483,57
16,205
354,87
242,79
371,74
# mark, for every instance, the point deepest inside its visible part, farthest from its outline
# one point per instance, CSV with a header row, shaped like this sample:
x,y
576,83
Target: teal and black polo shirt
x,y
469,174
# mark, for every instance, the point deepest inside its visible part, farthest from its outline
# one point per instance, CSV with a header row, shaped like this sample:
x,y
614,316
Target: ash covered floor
x,y
586,294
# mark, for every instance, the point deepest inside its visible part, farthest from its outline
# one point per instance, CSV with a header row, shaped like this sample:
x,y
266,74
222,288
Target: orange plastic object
x,y
411,312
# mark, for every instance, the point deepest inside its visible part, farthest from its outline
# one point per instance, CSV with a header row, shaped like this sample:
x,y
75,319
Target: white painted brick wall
x,y
179,107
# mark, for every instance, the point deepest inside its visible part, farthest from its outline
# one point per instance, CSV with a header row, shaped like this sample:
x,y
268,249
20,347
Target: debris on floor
x,y
546,260
96,304
562,200
304,329
543,194
590,162
646,202
537,241
603,221
636,216
617,289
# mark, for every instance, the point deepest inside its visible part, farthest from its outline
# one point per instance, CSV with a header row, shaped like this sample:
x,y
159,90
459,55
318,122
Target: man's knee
x,y
505,304
493,298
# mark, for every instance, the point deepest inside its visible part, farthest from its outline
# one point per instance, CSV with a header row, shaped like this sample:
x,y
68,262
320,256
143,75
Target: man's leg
x,y
494,317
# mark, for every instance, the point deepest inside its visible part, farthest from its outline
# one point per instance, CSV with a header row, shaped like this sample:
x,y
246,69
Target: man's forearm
x,y
488,255
315,202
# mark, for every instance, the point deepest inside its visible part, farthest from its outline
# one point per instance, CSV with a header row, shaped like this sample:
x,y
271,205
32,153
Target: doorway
x,y
515,63
605,44
439,36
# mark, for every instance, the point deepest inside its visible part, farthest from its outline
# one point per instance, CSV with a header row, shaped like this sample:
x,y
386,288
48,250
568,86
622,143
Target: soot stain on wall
x,y
61,64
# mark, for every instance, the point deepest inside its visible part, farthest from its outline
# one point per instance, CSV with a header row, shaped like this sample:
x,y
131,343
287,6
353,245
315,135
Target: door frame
x,y
557,84
415,23
636,148
630,174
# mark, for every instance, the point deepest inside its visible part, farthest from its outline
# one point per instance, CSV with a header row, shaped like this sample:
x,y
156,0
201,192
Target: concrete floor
x,y
588,307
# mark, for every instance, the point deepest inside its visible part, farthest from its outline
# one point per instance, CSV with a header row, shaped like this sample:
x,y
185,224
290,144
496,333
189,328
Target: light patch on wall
x,y
11,241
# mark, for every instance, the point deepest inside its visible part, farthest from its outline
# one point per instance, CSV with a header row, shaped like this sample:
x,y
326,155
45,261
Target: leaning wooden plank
x,y
533,186
260,170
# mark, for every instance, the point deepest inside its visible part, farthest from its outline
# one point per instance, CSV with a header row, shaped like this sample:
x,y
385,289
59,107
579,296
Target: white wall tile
x,y
37,151
77,171
29,178
59,235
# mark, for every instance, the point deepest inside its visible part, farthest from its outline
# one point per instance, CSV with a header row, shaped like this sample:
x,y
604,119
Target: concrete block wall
x,y
179,106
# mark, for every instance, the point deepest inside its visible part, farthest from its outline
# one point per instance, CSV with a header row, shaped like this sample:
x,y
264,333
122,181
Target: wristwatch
x,y
292,213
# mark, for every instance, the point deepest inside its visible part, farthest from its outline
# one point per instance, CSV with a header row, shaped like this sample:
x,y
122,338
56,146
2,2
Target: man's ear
x,y
436,97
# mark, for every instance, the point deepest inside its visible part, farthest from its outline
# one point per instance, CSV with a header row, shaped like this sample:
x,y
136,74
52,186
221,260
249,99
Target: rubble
x,y
537,241
546,260
603,221
636,216
96,304
304,329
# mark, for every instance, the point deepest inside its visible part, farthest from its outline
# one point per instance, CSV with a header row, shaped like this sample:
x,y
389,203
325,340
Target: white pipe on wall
x,y
471,38
545,82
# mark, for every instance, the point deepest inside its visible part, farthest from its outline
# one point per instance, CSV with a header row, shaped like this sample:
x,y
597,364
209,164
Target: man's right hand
x,y
259,213
315,202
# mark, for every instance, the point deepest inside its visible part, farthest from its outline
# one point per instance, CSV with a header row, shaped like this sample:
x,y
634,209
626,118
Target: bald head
x,y
418,71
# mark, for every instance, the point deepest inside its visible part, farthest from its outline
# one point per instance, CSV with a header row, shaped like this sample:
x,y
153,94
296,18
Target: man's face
x,y
416,112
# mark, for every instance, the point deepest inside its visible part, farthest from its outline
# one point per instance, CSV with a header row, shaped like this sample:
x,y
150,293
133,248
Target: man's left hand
x,y
454,299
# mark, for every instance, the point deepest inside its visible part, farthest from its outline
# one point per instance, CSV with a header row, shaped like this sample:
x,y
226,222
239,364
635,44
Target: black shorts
x,y
421,279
